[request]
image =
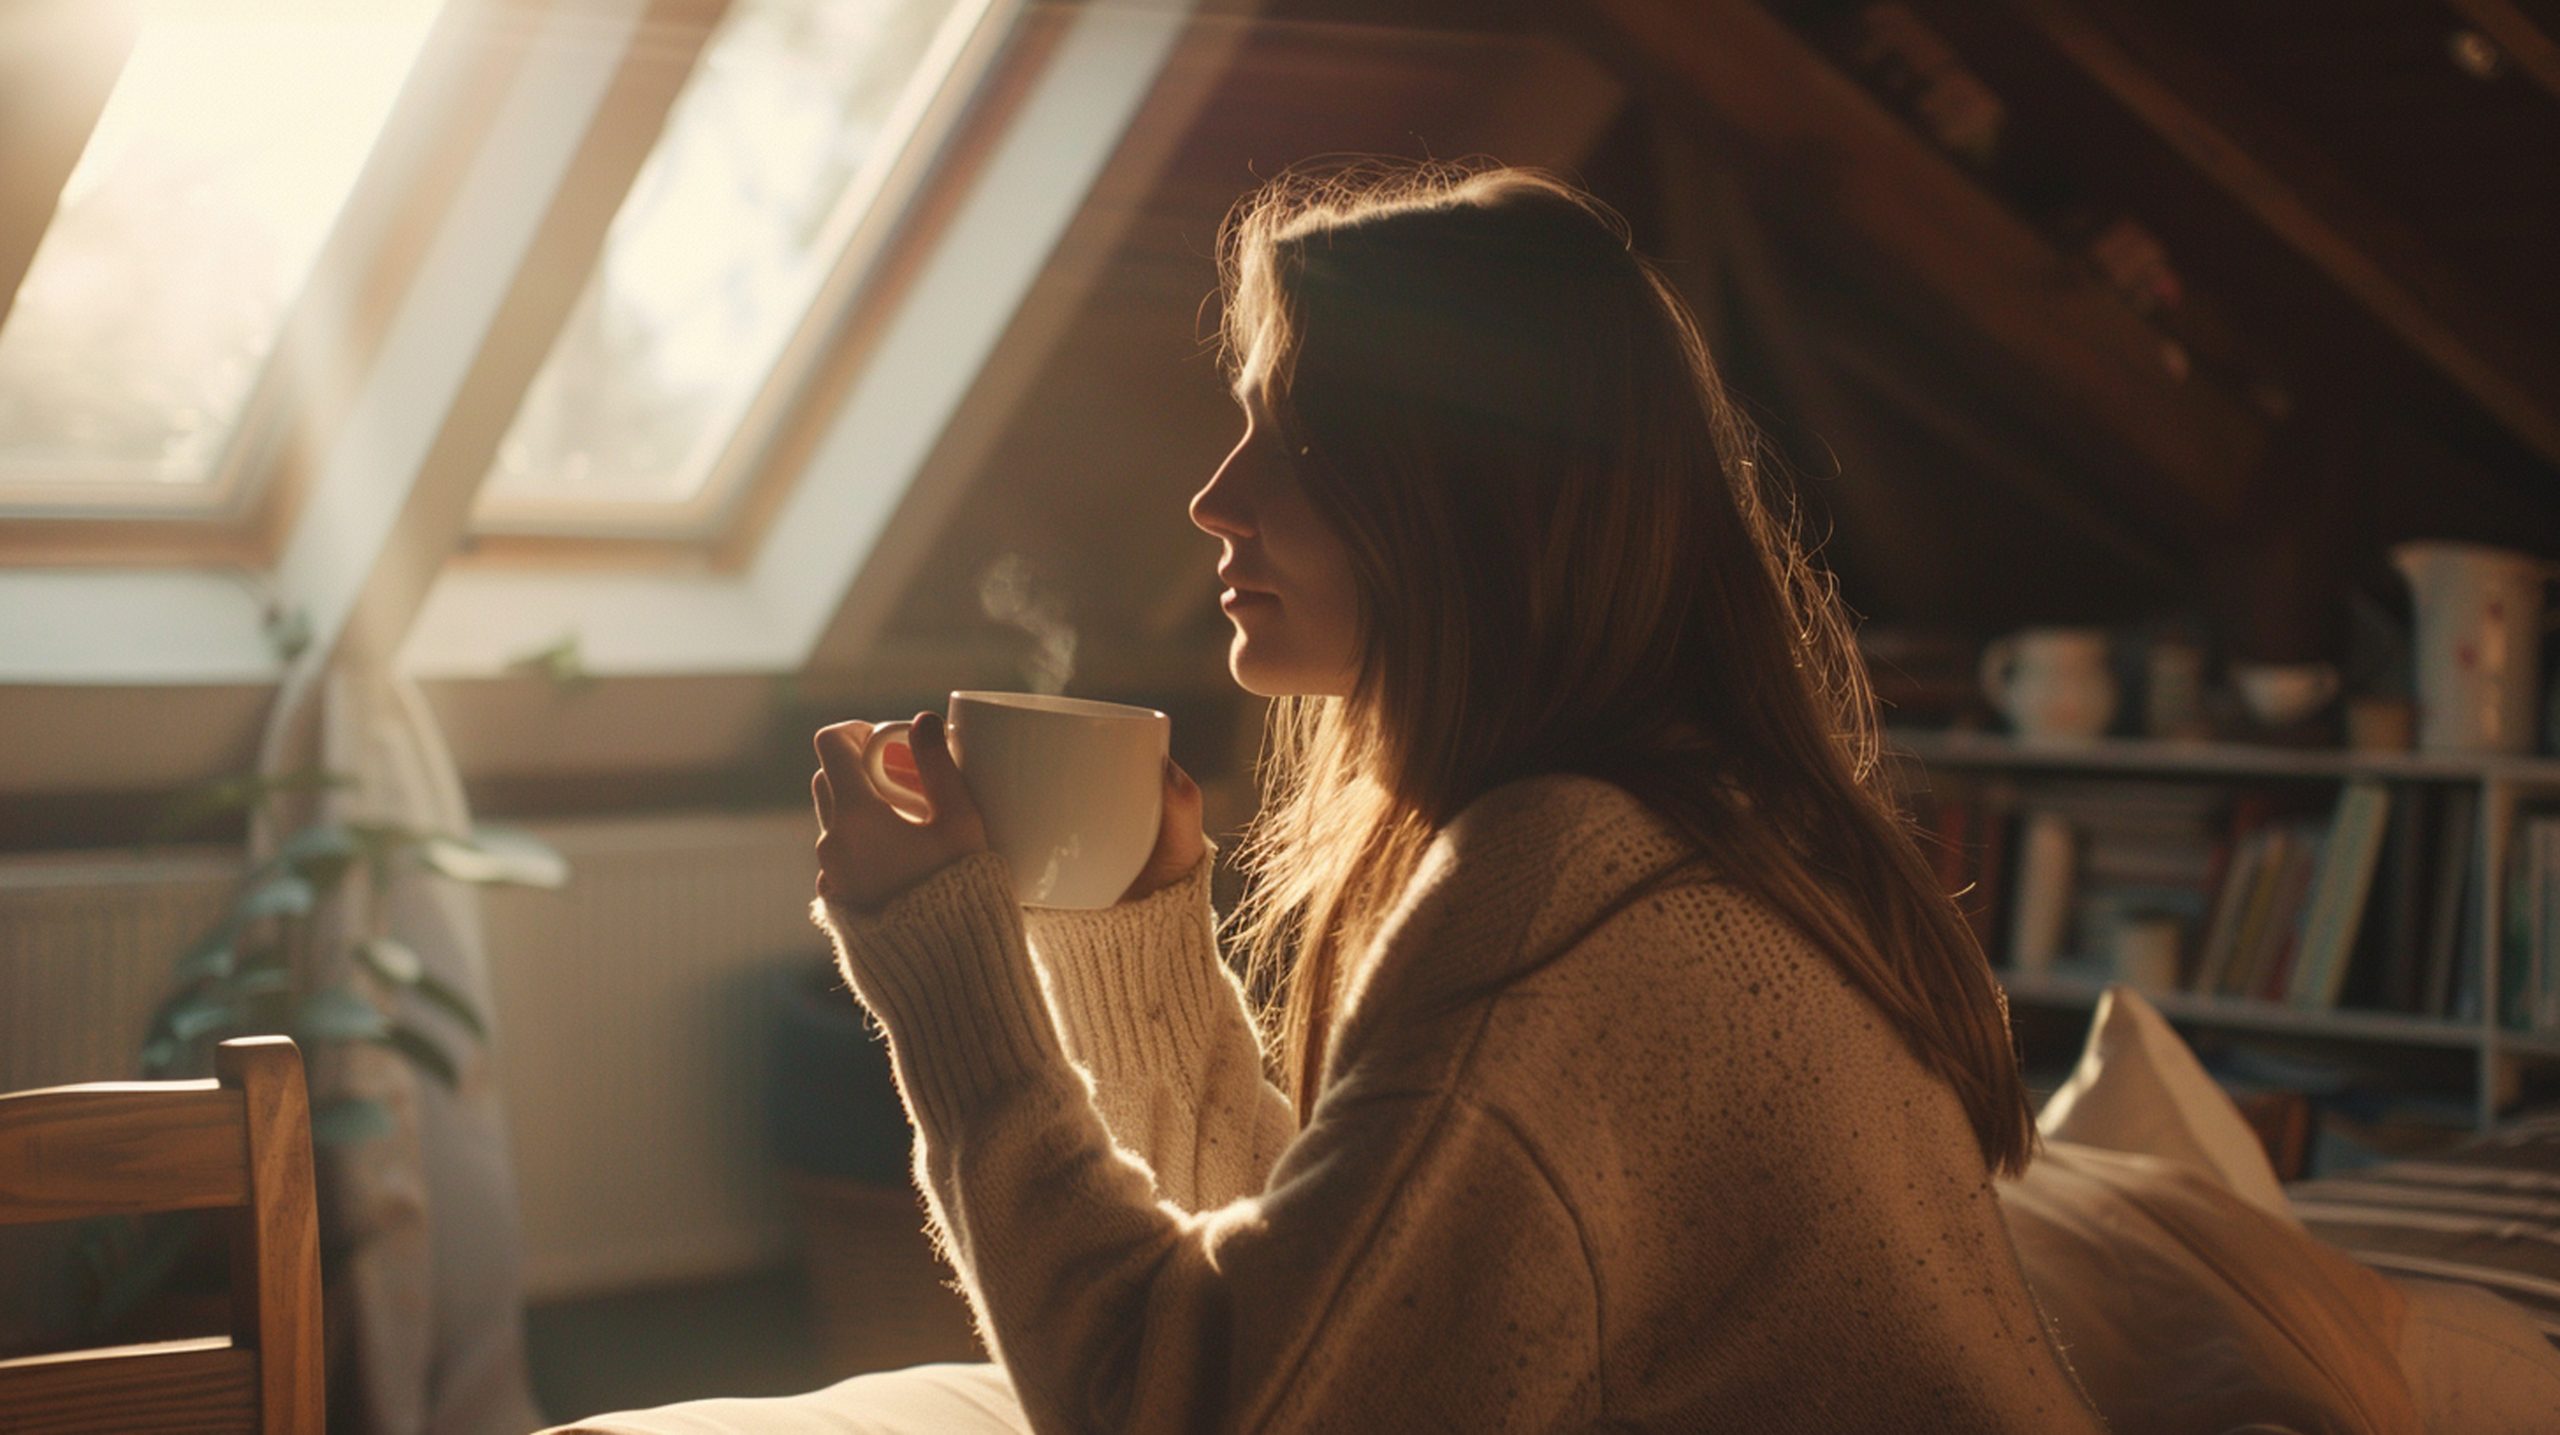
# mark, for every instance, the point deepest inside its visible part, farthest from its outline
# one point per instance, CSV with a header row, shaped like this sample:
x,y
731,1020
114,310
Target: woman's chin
x,y
1258,676
1266,685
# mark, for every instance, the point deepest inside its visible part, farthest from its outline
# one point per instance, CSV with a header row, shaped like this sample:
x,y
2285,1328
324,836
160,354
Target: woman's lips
x,y
1235,598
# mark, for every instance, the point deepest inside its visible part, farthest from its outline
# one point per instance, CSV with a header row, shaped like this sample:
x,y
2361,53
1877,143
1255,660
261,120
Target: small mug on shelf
x,y
2052,684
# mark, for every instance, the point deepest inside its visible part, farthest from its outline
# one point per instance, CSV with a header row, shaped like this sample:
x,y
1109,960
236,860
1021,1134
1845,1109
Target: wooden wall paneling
x,y
1884,541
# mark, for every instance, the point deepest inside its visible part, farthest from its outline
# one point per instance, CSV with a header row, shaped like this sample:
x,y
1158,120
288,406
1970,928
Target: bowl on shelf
x,y
2282,694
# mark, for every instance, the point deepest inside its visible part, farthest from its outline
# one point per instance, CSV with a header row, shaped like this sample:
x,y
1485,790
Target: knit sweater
x,y
1683,1178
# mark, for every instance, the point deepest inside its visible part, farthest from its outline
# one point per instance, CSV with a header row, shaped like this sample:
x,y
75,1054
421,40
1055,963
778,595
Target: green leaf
x,y
381,839
193,1016
338,1014
452,1003
263,981
562,662
288,895
494,854
392,960
159,1054
348,1120
195,806
320,853
424,1053
288,630
209,960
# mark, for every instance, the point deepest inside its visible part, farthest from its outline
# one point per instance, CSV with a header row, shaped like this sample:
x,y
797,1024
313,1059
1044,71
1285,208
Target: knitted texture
x,y
1684,1177
1150,1011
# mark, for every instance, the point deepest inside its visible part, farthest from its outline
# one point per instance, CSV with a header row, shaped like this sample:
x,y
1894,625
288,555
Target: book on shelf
x,y
2039,927
2527,957
2546,919
2450,901
2335,908
2243,966
1967,821
2372,899
2271,964
2453,955
2395,930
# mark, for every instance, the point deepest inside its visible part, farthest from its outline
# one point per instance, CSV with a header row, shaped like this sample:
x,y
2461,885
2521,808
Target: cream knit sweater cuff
x,y
1137,986
945,967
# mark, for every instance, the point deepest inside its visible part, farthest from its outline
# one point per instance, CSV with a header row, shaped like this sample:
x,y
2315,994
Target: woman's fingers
x,y
840,748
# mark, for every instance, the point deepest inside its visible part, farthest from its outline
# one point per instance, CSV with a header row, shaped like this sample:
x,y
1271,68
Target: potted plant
x,y
259,968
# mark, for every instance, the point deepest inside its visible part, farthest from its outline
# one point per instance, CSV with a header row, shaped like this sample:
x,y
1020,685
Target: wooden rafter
x,y
58,63
1849,172
2514,32
2379,265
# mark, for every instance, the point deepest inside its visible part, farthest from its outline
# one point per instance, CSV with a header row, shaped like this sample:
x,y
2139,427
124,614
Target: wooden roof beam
x,y
1812,140
2513,32
59,60
2312,210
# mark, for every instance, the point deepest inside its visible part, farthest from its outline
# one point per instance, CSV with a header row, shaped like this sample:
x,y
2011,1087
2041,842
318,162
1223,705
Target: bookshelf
x,y
2485,793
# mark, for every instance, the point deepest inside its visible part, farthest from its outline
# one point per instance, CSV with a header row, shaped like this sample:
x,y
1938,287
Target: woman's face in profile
x,y
1288,578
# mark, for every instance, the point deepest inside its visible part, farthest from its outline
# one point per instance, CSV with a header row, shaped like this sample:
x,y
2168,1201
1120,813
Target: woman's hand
x,y
869,851
1179,839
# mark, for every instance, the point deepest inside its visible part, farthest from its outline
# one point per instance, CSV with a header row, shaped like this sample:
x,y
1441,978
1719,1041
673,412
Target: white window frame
x,y
350,569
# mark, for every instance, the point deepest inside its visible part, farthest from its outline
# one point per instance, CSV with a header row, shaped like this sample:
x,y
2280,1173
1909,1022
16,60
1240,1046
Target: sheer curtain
x,y
426,1320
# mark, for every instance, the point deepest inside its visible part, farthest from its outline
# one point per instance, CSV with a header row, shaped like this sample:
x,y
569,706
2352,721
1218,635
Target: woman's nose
x,y
1216,508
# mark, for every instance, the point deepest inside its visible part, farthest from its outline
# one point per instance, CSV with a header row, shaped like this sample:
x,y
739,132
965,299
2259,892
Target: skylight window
x,y
771,153
183,236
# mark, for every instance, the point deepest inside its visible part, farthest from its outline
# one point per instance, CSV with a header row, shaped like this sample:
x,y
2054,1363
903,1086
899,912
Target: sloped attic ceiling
x,y
2227,300
1987,430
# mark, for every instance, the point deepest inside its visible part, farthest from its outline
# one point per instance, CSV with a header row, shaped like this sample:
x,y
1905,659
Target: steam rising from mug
x,y
1006,593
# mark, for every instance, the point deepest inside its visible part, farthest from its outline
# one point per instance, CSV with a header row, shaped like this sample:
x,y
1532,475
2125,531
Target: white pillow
x,y
2138,1088
2475,1364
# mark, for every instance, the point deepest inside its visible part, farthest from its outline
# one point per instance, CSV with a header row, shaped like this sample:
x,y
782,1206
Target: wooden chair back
x,y
240,1142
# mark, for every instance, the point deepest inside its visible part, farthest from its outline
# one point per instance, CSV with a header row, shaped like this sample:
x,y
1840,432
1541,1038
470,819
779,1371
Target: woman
x,y
1632,1072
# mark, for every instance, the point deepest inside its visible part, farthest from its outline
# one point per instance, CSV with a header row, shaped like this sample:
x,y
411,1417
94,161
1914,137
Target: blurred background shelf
x,y
2140,756
2079,991
2451,1028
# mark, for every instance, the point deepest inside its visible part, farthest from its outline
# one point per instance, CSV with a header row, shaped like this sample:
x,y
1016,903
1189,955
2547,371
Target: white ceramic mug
x,y
1072,790
2053,684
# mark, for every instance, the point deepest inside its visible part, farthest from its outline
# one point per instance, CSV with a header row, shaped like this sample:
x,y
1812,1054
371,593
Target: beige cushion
x,y
2187,1311
2187,1297
2139,1088
2163,1326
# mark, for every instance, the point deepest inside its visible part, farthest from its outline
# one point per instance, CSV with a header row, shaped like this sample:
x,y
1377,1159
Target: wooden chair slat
x,y
275,1241
125,1148
242,1141
174,1387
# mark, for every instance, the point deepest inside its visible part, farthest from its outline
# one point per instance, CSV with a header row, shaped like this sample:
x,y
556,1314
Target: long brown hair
x,y
1567,560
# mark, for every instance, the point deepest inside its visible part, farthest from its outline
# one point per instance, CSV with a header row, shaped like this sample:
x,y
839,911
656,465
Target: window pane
x,y
713,260
185,231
